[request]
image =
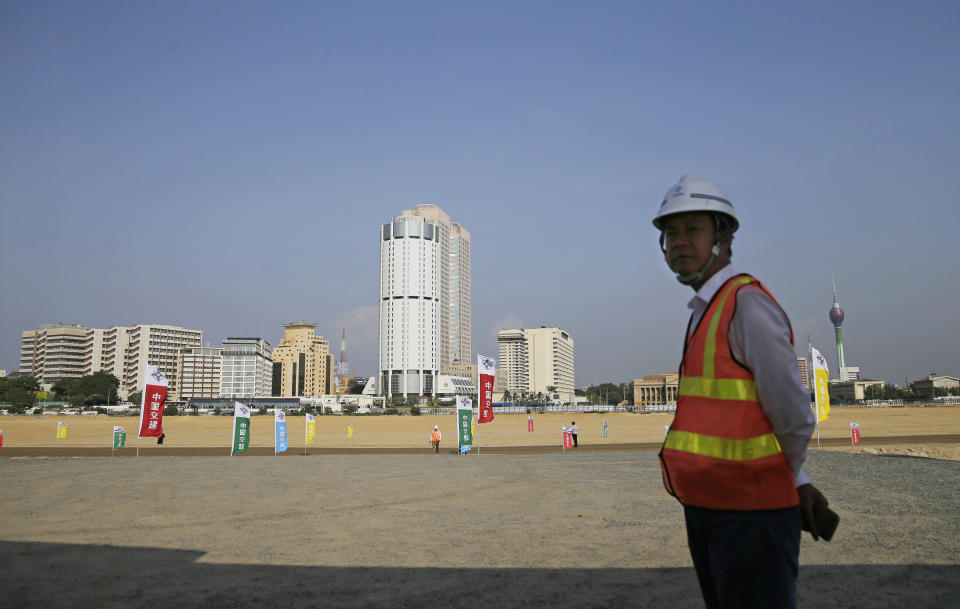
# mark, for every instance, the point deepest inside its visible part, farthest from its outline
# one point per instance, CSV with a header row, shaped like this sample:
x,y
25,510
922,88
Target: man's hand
x,y
810,496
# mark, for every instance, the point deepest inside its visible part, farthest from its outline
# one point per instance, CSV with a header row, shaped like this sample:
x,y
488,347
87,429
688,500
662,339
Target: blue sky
x,y
225,166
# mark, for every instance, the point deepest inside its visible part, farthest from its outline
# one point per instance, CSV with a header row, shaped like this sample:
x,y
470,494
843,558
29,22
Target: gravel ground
x,y
578,530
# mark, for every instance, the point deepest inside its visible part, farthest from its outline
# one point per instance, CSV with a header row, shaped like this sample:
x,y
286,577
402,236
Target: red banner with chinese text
x,y
486,369
152,403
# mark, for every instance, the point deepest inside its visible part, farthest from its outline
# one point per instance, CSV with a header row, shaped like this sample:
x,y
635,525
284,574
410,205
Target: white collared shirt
x,y
759,338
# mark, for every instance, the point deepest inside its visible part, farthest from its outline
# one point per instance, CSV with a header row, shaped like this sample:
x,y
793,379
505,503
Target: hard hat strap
x,y
696,277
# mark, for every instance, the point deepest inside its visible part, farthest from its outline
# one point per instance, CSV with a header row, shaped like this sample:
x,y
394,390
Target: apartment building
x,y
302,363
159,346
198,369
53,352
537,358
247,368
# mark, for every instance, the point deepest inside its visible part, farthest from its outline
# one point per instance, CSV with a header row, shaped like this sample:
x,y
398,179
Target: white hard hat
x,y
436,427
695,193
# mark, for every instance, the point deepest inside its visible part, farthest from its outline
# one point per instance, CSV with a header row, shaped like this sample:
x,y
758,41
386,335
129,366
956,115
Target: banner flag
x,y
61,430
530,423
821,377
854,434
464,422
567,438
486,370
280,431
1,439
241,428
349,430
604,429
311,431
152,402
119,437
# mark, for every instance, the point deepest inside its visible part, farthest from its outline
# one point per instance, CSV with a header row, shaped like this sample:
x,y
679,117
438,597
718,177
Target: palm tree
x,y
551,389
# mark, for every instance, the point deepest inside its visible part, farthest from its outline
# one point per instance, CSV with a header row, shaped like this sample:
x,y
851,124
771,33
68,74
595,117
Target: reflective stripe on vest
x,y
723,448
719,389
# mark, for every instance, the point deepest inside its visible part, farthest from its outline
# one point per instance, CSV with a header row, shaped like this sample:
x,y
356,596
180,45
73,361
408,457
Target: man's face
x,y
687,239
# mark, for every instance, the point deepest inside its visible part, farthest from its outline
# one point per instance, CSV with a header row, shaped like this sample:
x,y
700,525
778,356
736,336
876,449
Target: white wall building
x,y
158,346
198,369
53,352
247,369
537,358
424,300
512,347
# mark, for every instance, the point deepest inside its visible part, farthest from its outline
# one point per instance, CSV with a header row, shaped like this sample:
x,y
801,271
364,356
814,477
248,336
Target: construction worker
x,y
435,439
734,451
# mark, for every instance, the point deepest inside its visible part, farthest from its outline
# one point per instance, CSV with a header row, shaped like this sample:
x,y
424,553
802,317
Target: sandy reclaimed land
x,y
575,529
933,432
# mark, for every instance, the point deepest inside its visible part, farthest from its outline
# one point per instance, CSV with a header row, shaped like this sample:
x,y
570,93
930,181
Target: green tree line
x,y
19,391
94,389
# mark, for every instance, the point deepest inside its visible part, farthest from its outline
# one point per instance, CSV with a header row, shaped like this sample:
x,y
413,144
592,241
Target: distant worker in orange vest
x,y
733,454
435,439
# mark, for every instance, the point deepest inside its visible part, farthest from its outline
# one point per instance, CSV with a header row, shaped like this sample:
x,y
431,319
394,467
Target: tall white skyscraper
x,y
424,299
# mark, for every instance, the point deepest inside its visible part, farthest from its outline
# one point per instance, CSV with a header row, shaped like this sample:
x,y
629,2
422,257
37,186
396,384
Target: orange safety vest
x,y
721,452
435,436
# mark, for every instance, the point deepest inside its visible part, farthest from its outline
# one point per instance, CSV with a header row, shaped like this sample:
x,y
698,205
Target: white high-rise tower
x,y
424,299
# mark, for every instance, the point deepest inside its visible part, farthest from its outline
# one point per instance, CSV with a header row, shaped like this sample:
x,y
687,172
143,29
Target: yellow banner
x,y
821,379
311,428
350,430
61,431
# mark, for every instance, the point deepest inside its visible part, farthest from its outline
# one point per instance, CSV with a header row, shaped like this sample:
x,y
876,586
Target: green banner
x,y
241,428
464,432
119,437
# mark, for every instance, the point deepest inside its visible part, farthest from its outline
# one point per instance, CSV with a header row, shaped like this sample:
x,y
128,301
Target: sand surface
x,y
579,529
931,432
520,525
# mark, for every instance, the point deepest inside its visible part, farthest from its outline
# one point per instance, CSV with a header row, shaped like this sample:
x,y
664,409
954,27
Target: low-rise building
x,y
851,391
925,387
656,391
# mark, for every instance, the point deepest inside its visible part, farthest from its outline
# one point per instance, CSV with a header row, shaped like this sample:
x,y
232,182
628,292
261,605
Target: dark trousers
x,y
574,440
436,447
746,559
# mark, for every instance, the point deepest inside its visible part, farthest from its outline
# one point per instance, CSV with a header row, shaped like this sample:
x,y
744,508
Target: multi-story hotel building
x,y
247,369
657,390
534,359
57,351
513,360
302,363
802,366
424,299
198,370
158,346
53,352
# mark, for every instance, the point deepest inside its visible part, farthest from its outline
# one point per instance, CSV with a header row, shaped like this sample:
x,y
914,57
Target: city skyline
x,y
221,168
